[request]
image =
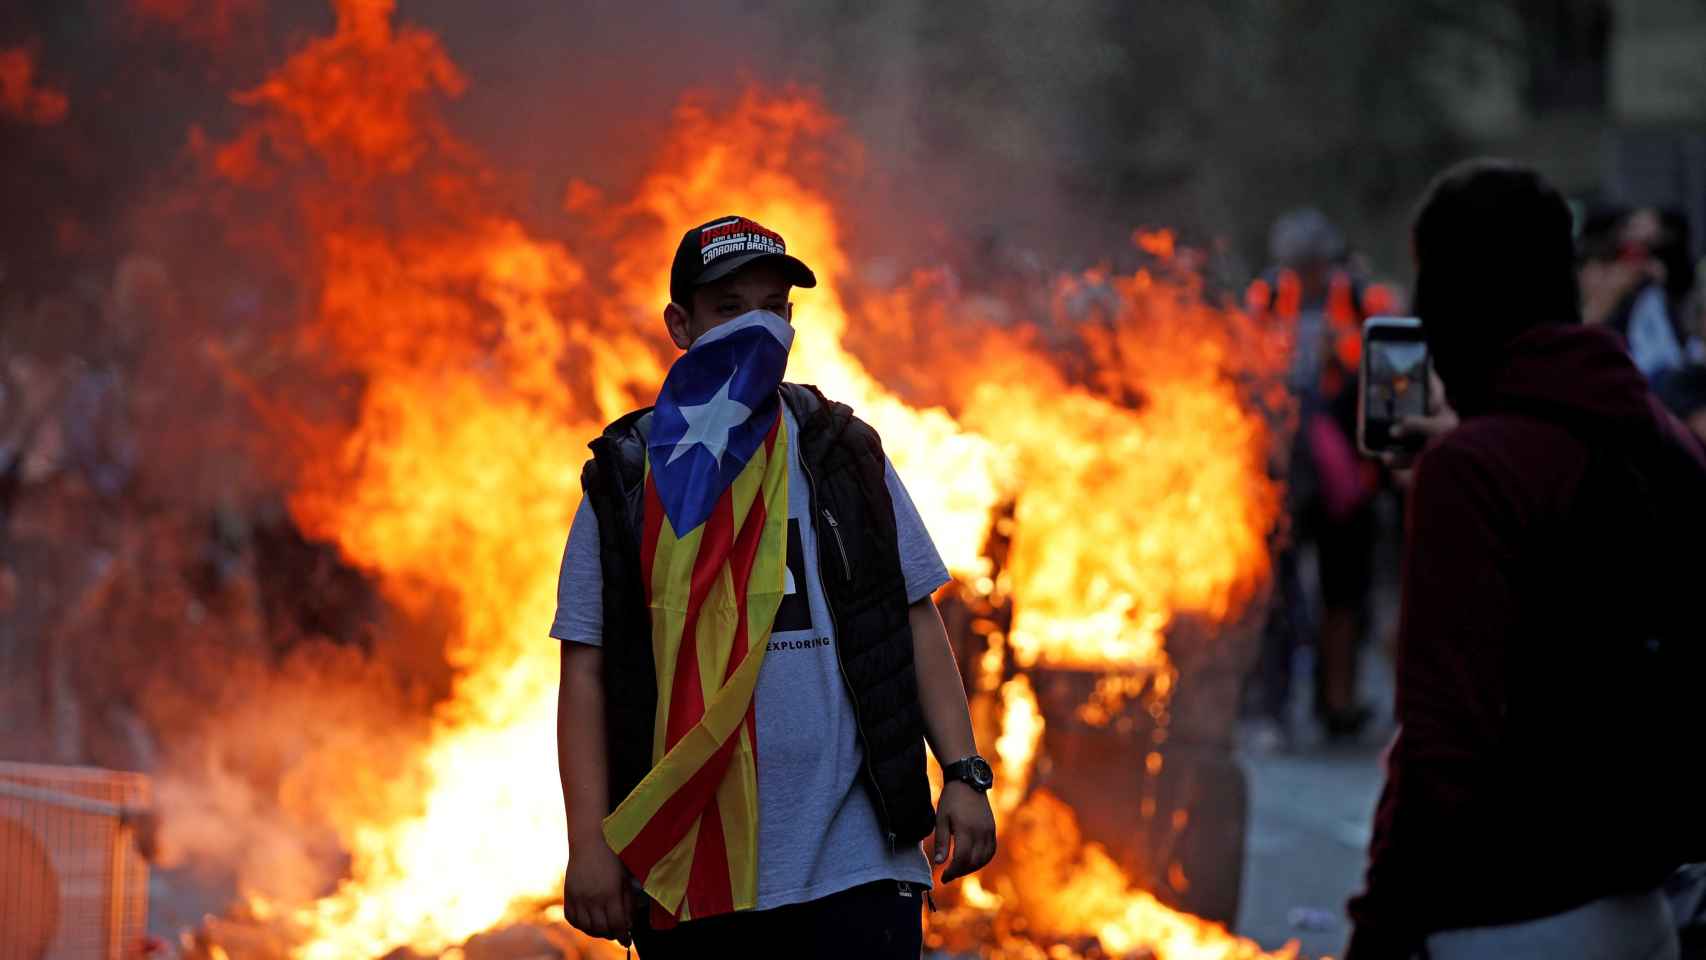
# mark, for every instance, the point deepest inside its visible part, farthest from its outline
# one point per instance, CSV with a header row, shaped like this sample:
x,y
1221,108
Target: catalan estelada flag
x,y
713,558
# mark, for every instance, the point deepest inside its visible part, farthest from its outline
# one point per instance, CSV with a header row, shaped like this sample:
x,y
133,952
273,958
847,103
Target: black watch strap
x,y
973,771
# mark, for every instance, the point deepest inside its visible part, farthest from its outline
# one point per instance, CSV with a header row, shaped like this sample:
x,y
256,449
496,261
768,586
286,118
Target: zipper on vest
x,y
840,547
858,714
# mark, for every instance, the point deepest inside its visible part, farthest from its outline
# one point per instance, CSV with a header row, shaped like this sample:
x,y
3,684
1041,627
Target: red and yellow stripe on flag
x,y
689,831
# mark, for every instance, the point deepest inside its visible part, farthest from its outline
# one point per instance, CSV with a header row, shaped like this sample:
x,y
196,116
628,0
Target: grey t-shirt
x,y
818,832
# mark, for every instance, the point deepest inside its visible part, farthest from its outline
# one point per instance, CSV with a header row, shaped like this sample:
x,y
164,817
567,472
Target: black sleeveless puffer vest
x,y
859,562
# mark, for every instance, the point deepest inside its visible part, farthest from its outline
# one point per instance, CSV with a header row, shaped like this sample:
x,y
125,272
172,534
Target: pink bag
x,y
1344,483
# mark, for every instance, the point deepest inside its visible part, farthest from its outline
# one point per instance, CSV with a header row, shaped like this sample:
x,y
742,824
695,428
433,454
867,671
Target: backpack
x,y
1625,576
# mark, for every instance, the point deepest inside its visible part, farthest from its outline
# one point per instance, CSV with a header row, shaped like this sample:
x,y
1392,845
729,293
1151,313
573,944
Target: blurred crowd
x,y
1526,574
68,462
1640,278
1336,557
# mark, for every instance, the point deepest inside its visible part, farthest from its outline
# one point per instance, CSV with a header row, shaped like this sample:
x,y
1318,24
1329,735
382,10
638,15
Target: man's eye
x,y
729,309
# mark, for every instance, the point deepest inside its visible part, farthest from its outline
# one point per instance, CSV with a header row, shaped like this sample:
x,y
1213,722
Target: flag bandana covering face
x,y
713,559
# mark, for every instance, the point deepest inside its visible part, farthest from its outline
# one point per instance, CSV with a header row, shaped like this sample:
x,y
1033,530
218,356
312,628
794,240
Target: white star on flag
x,y
709,423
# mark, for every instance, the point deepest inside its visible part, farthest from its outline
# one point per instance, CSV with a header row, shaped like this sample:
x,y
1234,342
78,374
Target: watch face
x,y
981,772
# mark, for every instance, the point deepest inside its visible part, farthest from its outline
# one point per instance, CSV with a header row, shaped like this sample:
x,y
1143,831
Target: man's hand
x,y
1427,428
964,815
1441,420
596,897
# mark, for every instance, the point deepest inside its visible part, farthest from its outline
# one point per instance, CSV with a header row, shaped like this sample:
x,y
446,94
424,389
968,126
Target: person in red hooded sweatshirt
x,y
1541,786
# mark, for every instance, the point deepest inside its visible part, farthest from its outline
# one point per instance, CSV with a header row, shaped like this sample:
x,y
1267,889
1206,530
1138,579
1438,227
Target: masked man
x,y
752,662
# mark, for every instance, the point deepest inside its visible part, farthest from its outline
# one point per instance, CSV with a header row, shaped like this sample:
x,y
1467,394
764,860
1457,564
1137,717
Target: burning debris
x,y
1097,478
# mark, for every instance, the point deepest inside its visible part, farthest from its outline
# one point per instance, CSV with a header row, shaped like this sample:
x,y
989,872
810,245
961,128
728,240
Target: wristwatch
x,y
973,771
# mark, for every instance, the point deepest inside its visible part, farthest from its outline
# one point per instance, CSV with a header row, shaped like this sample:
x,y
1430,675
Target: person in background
x,y
1330,490
1636,276
1538,794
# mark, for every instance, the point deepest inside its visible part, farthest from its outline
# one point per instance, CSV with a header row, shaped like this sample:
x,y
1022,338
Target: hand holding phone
x,y
1440,421
1394,386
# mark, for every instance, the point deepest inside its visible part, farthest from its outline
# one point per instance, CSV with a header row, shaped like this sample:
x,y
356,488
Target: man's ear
x,y
676,318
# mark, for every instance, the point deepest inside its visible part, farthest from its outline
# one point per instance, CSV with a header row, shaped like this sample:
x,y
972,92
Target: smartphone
x,y
1392,383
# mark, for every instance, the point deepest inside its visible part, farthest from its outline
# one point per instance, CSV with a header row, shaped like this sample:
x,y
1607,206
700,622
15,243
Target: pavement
x,y
1311,806
1304,851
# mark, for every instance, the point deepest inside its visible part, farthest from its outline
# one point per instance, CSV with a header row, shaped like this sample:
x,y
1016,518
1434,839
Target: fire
x,y
1016,747
1183,501
1071,890
488,358
456,482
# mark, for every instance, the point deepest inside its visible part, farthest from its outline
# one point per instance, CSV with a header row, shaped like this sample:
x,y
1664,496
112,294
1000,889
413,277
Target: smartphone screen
x,y
1394,382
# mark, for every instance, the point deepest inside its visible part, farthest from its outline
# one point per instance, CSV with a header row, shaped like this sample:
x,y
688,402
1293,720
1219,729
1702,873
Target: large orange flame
x,y
1137,493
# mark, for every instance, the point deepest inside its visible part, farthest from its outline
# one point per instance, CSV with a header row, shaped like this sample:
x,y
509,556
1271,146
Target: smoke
x,y
954,114
256,745
212,24
22,96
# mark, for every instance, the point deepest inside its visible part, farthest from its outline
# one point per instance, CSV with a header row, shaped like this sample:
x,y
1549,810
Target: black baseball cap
x,y
712,251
